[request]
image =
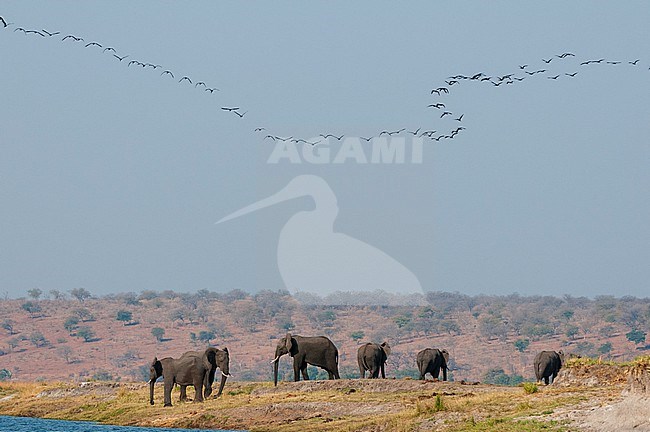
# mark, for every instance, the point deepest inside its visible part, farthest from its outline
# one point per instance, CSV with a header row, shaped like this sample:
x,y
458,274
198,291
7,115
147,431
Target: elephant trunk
x,y
151,384
275,371
224,377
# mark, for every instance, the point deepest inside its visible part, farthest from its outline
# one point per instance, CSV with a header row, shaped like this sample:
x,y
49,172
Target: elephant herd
x,y
198,369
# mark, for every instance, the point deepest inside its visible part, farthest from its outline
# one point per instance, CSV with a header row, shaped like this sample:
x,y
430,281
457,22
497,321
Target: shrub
x,y
357,335
124,316
158,333
530,387
86,333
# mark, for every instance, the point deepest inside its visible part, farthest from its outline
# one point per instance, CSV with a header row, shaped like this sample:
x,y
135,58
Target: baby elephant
x,y
431,360
372,357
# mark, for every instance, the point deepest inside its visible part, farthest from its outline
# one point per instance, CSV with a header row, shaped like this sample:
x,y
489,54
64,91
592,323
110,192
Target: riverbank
x,y
342,405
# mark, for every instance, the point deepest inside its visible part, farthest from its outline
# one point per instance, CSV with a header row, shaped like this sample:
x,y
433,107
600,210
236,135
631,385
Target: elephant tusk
x,y
275,359
226,375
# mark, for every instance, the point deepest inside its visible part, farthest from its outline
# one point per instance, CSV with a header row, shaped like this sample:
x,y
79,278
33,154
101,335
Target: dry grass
x,y
295,407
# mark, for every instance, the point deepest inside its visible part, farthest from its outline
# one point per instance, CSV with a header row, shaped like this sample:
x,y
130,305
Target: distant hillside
x,y
490,338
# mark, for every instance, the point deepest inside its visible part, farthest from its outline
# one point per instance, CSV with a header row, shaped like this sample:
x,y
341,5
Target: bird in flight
x,y
571,74
553,77
415,132
20,29
366,139
152,65
460,118
93,43
428,133
34,31
240,114
260,129
229,109
185,78
523,66
120,58
437,105
393,132
109,49
333,136
445,113
566,54
167,72
50,34
613,62
211,90
76,39
200,83
547,61
634,62
4,23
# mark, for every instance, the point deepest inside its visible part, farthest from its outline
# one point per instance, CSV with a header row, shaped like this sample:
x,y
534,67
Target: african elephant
x,y
431,360
372,357
547,365
192,368
317,351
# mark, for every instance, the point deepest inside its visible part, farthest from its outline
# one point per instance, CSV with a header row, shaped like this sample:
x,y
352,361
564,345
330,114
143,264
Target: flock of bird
x,y
523,73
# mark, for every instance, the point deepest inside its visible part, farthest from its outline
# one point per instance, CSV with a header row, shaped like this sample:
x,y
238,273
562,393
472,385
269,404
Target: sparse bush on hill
x,y
65,352
38,340
521,344
499,377
35,293
8,324
636,336
125,316
158,333
80,294
86,333
84,314
71,324
357,335
33,308
5,374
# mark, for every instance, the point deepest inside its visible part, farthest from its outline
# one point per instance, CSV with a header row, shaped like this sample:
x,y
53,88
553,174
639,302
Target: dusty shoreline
x,y
352,405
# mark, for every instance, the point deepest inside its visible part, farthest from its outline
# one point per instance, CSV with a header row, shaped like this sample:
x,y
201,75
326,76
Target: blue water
x,y
28,424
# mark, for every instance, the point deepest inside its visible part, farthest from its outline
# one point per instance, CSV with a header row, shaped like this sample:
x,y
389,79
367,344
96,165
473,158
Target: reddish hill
x,y
479,337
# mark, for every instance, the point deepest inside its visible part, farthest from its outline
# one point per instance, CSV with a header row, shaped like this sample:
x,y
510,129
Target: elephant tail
x,y
336,357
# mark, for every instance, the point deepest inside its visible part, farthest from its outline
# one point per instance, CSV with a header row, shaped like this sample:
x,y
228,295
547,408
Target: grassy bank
x,y
343,405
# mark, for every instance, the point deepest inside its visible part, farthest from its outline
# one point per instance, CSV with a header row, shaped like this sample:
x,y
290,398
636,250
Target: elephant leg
x,y
444,374
169,384
436,372
362,372
183,396
305,376
546,380
383,373
330,375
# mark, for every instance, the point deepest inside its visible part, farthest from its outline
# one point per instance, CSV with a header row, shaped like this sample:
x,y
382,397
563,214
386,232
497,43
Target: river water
x,y
28,424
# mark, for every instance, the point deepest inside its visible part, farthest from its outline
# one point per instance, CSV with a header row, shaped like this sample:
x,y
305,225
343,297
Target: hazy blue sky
x,y
112,176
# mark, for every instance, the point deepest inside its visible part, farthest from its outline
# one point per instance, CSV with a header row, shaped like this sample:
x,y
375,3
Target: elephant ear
x,y
209,359
225,350
386,348
288,342
445,354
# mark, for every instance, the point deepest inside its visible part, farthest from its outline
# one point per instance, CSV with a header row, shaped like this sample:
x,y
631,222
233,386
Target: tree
x,y
605,348
35,293
71,324
206,336
158,333
124,316
5,374
57,295
37,339
572,331
65,352
31,307
357,335
80,294
13,343
84,314
522,344
8,325
86,333
636,336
